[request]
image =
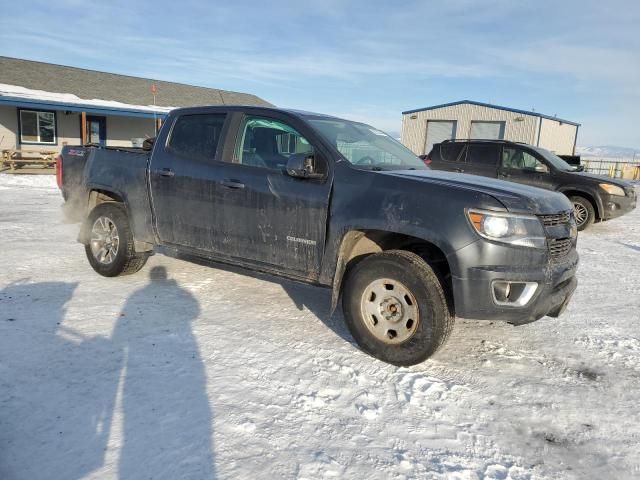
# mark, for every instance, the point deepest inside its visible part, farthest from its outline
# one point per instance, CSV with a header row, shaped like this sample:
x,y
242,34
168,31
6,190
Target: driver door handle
x,y
459,170
231,183
165,172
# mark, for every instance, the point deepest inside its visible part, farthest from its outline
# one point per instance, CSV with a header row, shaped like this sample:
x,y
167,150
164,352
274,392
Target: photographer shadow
x,y
167,429
60,389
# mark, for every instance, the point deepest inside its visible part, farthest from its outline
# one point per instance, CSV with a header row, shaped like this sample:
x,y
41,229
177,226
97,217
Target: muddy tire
x,y
584,212
110,250
395,307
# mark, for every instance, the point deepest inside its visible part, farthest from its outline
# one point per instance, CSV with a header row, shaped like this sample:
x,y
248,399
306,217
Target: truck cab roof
x,y
252,108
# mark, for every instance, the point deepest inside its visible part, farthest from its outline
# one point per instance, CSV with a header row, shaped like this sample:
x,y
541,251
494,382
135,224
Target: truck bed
x,y
84,164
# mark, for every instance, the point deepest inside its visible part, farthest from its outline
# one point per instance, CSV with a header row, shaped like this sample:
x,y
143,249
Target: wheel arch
x,y
358,244
570,192
97,196
100,195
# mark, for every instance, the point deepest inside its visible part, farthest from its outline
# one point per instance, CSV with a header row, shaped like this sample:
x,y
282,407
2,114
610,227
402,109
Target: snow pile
x,y
69,98
188,371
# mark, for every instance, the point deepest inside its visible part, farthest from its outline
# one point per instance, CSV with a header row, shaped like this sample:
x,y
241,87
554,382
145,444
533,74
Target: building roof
x,y
92,85
497,107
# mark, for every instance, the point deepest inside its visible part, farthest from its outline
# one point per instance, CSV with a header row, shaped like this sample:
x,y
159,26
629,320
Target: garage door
x,y
487,130
439,131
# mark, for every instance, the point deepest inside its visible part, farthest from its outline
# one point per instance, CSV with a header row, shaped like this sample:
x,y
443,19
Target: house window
x,y
37,127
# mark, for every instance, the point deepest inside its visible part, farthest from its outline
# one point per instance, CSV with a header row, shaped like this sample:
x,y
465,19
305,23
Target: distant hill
x,y
609,151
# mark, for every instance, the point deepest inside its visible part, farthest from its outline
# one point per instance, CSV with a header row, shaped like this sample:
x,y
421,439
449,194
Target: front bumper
x,y
473,291
614,206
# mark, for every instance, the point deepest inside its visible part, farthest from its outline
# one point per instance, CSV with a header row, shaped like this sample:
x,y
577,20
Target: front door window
x,y
518,159
268,143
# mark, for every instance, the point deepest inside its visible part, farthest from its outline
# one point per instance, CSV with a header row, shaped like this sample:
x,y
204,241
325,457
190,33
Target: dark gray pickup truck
x,y
333,203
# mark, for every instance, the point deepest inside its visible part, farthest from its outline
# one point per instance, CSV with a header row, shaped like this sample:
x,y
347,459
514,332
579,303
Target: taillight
x,y
427,160
59,171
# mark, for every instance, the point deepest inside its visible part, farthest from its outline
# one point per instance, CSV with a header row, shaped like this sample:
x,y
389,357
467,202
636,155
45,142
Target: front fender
x,y
351,236
432,212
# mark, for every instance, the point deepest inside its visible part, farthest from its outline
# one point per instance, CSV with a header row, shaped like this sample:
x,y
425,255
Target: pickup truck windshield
x,y
555,160
366,147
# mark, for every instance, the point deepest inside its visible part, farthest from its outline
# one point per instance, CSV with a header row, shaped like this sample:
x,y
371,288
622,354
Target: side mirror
x,y
147,145
303,165
579,168
540,168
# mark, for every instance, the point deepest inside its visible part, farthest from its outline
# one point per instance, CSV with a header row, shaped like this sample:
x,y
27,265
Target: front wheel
x,y
395,307
584,212
110,250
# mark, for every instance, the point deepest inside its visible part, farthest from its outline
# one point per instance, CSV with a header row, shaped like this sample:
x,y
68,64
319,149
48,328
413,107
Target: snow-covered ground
x,y
214,372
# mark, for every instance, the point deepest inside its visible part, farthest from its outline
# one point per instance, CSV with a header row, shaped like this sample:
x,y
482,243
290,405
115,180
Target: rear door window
x,y
483,155
452,152
196,137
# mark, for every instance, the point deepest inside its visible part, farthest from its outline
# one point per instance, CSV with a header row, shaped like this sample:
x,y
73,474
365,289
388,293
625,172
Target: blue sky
x,y
366,60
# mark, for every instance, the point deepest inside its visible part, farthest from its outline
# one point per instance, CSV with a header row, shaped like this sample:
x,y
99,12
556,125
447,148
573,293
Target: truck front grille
x,y
555,219
559,247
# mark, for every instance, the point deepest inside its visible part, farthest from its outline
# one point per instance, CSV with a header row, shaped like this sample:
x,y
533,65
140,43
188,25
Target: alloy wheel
x,y
581,213
104,240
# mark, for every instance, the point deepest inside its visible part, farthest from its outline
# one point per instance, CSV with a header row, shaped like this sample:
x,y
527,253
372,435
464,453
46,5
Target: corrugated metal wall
x,y
558,137
519,127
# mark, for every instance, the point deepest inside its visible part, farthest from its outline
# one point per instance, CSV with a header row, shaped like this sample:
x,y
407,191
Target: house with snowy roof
x,y
45,106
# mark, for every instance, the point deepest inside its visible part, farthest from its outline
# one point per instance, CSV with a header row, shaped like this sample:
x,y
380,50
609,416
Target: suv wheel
x,y
395,307
583,210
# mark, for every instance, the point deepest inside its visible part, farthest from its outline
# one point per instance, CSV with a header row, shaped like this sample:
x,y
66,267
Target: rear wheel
x,y
584,212
395,307
110,250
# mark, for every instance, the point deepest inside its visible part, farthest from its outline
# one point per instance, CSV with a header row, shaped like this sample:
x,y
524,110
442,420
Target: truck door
x,y
184,178
521,166
270,217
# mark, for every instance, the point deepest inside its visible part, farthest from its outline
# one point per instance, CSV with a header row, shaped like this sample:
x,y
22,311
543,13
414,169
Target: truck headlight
x,y
612,189
514,229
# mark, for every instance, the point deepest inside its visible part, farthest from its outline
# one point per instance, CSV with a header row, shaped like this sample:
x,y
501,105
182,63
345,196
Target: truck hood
x,y
515,197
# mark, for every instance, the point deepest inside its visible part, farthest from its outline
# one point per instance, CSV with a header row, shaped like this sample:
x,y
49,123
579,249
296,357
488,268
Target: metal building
x,y
423,127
